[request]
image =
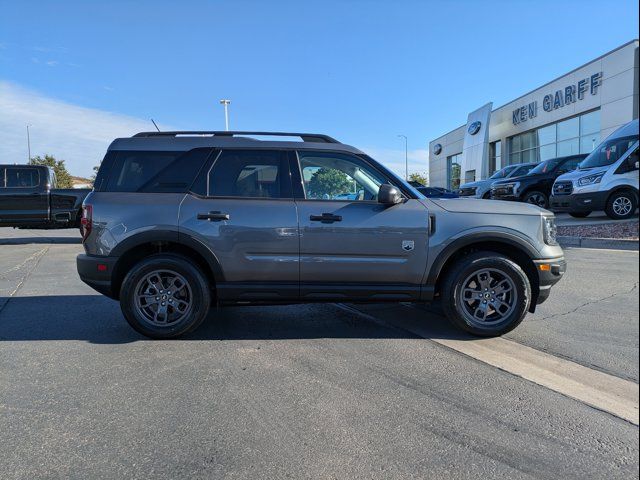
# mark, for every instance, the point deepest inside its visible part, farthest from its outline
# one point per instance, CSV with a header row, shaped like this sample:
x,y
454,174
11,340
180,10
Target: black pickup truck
x,y
29,199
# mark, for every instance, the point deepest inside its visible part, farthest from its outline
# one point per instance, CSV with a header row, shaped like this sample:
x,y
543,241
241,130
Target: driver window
x,y
333,176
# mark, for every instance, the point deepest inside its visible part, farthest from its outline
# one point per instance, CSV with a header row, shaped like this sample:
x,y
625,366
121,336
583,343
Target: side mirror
x,y
389,195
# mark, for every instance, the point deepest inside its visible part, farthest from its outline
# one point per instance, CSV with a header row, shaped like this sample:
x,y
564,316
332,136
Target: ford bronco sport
x,y
181,221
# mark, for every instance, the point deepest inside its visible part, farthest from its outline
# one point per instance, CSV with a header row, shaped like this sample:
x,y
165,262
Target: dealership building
x,y
568,115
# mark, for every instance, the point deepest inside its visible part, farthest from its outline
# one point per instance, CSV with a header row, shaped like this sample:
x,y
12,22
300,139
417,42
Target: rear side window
x,y
155,172
250,173
22,177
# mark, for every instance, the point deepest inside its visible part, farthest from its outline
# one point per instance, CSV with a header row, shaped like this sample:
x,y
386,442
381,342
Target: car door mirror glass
x,y
389,195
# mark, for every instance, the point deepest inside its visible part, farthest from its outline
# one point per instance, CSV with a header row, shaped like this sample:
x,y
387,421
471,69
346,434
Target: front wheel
x,y
536,198
486,294
165,296
579,214
621,205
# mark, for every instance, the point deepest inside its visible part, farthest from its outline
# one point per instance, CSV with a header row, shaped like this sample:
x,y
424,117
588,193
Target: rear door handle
x,y
326,218
213,216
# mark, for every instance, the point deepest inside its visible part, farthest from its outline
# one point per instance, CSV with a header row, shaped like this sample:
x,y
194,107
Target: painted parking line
x,y
602,391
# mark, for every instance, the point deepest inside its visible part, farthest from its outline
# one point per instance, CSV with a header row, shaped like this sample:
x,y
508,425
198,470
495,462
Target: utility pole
x,y
226,103
406,158
28,144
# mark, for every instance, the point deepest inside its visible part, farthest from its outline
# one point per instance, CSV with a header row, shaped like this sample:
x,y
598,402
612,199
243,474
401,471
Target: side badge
x,y
407,245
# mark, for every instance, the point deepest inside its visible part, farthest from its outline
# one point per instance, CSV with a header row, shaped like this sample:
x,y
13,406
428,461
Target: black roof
x,y
186,140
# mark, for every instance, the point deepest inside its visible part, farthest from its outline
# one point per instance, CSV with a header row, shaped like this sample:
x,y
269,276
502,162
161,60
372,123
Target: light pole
x,y
406,158
226,113
28,144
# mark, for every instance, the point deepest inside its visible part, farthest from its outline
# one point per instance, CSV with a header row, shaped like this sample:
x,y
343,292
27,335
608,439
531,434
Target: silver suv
x,y
180,221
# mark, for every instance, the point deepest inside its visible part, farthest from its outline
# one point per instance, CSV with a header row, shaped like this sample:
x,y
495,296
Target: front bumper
x,y
579,202
550,271
97,272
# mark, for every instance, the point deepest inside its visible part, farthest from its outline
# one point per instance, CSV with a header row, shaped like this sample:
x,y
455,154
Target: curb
x,y
610,243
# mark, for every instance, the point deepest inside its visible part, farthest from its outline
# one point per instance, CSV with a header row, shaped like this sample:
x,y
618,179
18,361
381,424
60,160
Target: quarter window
x,y
153,172
250,173
332,176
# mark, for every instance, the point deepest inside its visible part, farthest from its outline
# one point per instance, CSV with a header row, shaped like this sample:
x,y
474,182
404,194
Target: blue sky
x,y
362,72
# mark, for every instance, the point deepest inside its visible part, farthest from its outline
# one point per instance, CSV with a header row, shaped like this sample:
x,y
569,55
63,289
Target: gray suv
x,y
179,222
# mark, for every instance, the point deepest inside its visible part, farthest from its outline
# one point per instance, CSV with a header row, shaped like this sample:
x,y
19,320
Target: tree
x,y
62,175
422,178
328,182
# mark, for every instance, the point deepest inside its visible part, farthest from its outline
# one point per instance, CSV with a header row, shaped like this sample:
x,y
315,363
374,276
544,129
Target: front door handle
x,y
326,218
213,216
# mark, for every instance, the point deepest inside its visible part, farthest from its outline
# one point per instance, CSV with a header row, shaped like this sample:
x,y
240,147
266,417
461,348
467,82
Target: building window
x,y
576,135
453,171
469,176
495,157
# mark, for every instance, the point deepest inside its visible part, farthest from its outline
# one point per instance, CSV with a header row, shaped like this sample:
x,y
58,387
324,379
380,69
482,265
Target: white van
x,y
606,180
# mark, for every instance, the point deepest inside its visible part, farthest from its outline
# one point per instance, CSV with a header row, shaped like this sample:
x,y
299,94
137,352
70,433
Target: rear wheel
x,y
486,294
165,296
537,198
579,214
621,205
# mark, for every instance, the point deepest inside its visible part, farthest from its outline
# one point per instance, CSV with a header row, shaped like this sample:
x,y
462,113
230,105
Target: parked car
x,y
29,199
535,187
436,192
180,221
606,180
482,188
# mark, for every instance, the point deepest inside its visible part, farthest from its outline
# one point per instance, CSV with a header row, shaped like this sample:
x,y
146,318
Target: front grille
x,y
467,192
501,191
563,188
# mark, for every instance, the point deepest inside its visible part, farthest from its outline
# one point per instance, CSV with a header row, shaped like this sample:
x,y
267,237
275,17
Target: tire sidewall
x,y
478,262
194,277
634,205
529,194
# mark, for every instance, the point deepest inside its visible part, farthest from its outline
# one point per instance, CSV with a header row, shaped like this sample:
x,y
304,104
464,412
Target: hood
x,y
476,184
581,173
493,207
520,178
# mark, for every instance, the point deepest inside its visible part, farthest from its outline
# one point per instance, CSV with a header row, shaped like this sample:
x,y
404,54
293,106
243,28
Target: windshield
x,y
503,173
546,166
608,152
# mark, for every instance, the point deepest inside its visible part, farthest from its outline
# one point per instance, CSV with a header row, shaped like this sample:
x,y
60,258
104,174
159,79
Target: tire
x,y
579,214
471,270
536,197
487,195
183,309
621,205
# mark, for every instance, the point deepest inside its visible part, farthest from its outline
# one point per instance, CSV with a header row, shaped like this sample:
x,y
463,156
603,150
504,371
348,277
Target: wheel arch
x,y
517,249
139,246
623,188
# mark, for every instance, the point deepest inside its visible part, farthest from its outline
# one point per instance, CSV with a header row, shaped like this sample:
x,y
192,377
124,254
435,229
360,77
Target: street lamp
x,y
226,113
406,158
28,144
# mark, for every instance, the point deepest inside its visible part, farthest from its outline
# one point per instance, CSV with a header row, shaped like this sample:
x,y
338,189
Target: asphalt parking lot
x,y
320,391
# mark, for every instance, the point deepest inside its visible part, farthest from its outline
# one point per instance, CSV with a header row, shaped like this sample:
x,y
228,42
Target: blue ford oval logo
x,y
474,128
437,149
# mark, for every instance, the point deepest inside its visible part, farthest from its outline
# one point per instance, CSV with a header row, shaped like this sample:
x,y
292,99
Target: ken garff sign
x,y
559,99
474,128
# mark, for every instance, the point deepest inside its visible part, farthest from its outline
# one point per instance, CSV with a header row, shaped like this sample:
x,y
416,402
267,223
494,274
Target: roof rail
x,y
306,137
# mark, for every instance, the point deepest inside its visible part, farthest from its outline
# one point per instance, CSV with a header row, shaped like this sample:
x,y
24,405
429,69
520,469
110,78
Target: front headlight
x,y
591,179
549,230
513,186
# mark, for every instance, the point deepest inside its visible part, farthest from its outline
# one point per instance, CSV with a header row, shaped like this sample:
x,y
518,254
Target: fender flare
x,y
477,237
173,236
